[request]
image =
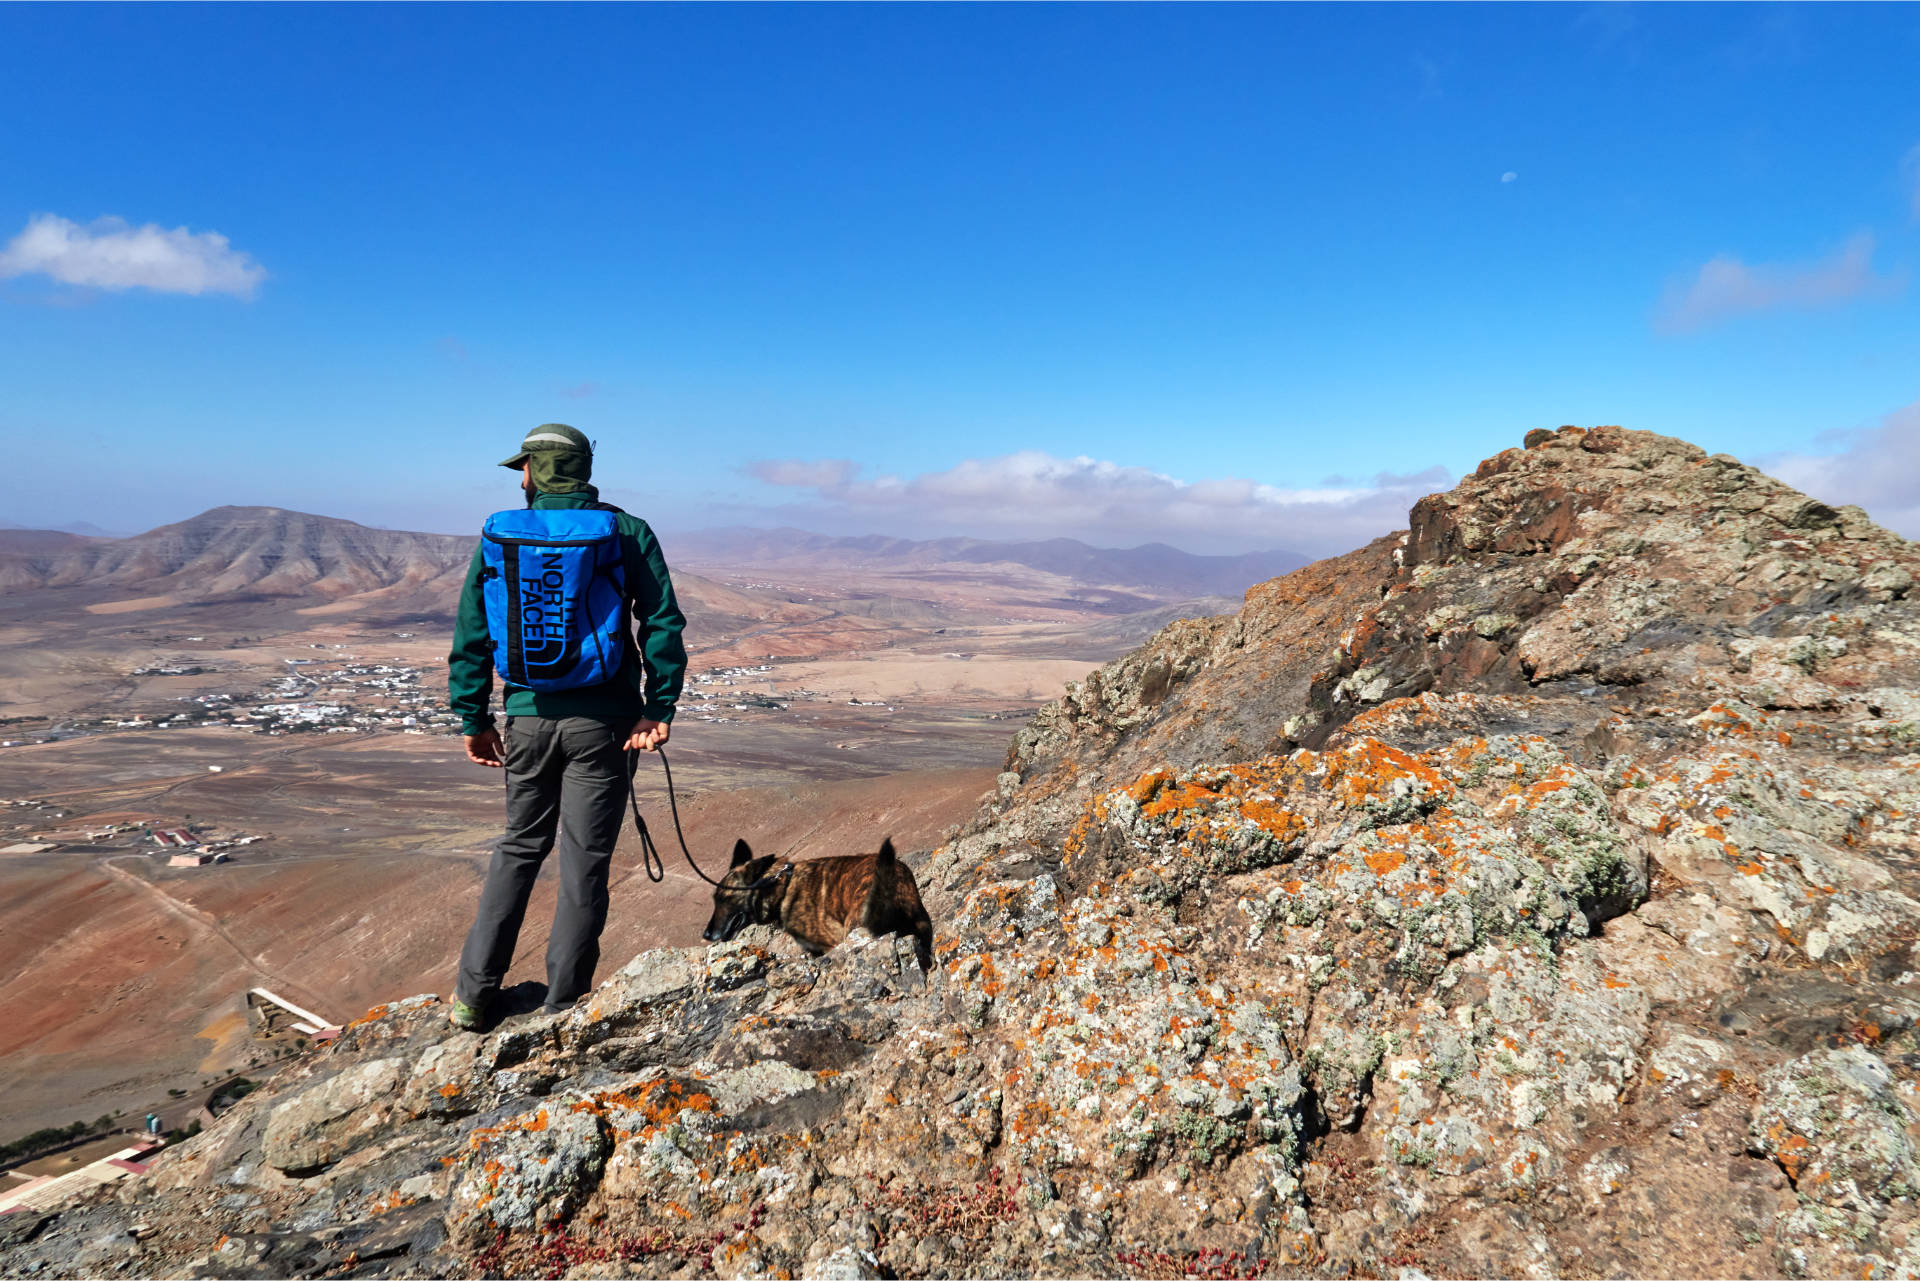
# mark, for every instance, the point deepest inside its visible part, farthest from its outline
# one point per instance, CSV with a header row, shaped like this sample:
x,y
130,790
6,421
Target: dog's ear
x,y
886,854
742,853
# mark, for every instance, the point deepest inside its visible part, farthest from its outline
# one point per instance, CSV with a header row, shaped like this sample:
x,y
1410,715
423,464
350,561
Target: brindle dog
x,y
819,900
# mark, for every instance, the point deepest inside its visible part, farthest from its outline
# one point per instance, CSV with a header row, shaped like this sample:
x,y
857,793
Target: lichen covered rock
x,y
1833,1122
529,1170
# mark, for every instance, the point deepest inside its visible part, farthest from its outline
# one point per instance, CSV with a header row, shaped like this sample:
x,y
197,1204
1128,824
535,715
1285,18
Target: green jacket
x,y
470,665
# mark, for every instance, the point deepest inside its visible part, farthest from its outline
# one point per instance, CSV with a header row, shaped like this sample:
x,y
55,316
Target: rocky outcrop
x,y
1607,558
1531,893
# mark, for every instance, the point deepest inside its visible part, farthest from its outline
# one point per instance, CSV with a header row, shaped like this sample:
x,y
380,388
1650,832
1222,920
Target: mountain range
x,y
84,528
1152,567
268,551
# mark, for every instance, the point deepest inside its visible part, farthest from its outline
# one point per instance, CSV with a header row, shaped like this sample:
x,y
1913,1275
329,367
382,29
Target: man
x,y
564,751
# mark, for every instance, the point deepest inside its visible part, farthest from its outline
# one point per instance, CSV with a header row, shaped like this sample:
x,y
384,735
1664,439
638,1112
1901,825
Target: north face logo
x,y
543,612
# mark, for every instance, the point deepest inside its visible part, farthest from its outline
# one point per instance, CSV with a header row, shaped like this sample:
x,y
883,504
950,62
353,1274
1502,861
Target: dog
x,y
819,900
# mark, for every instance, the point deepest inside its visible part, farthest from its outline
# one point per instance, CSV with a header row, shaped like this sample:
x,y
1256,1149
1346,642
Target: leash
x,y
649,852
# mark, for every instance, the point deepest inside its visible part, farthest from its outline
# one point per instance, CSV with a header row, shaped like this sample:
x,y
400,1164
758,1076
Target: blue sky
x,y
1226,276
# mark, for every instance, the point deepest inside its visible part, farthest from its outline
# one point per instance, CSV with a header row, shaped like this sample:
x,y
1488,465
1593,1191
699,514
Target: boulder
x,y
333,1117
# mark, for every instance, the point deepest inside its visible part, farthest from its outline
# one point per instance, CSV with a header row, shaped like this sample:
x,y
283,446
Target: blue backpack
x,y
555,588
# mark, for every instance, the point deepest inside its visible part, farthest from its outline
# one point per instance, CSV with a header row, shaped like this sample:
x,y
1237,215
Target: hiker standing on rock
x,y
545,603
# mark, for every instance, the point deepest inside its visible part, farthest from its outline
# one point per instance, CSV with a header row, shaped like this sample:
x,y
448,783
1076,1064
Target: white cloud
x,y
1031,493
1877,468
1509,176
1724,286
111,254
825,474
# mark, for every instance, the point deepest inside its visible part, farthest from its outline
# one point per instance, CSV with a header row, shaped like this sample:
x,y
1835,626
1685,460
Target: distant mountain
x,y
15,541
268,552
84,528
232,551
1153,567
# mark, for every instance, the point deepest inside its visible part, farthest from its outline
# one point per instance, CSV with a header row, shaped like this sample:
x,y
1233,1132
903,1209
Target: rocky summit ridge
x,y
1533,892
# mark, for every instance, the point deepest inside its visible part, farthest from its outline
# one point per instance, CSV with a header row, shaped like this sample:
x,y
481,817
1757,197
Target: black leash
x,y
649,852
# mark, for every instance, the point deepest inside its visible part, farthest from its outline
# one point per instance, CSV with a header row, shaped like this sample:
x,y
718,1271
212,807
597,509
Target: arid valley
x,y
268,687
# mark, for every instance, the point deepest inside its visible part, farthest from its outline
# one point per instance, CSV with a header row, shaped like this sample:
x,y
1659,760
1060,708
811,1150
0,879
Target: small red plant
x,y
1208,1262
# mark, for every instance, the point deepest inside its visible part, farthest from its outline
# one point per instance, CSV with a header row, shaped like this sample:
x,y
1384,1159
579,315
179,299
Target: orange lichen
x,y
377,1012
1273,819
1718,835
657,1103
1175,798
1789,1149
532,1123
1381,862
1367,770
1148,785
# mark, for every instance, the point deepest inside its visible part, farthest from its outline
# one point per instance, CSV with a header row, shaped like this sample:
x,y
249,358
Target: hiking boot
x,y
468,1018
559,1007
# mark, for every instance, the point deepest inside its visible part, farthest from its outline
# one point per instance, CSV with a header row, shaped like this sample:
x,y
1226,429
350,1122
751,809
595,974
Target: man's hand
x,y
648,736
485,748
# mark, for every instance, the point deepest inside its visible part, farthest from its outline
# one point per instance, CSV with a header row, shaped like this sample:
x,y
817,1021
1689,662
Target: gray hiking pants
x,y
567,774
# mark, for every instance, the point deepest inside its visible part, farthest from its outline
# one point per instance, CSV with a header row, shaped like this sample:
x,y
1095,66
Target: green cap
x,y
550,436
